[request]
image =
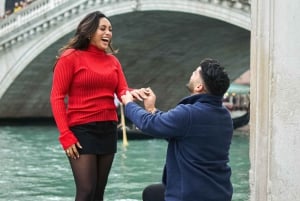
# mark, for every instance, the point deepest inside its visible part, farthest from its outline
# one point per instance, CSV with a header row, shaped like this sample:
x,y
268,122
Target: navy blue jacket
x,y
199,131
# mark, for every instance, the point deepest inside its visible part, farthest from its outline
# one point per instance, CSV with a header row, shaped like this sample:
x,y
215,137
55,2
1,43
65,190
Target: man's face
x,y
195,80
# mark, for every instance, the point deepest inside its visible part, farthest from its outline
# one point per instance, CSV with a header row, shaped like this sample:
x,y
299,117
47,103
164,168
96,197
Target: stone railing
x,y
243,5
34,10
40,15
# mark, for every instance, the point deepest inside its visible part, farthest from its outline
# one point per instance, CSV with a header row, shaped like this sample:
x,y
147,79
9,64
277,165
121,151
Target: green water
x,y
34,167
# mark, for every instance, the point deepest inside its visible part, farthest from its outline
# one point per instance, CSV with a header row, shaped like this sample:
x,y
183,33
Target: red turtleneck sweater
x,y
84,83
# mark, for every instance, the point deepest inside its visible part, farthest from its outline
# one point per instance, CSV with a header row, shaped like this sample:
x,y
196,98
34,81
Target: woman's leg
x,y
154,192
104,163
84,170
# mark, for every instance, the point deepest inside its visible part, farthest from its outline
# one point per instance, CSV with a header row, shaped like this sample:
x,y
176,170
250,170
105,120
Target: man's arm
x,y
161,124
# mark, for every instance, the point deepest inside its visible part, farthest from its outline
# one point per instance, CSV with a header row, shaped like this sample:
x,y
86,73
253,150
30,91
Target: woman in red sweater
x,y
86,77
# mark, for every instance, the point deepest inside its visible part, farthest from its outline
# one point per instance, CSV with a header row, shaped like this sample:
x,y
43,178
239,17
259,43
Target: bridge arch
x,y
22,45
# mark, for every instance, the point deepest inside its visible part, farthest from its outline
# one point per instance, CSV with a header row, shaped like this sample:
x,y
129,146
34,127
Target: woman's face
x,y
103,35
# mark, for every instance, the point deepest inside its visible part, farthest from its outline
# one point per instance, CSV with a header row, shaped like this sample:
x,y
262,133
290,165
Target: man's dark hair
x,y
214,76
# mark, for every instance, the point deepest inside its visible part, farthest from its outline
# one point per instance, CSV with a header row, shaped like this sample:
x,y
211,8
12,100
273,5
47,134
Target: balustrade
x,y
25,15
38,8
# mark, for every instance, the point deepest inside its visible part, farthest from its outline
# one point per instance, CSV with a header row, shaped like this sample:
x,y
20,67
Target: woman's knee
x,y
85,192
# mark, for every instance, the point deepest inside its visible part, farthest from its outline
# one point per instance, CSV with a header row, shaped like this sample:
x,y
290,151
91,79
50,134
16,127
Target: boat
x,y
133,134
241,121
237,101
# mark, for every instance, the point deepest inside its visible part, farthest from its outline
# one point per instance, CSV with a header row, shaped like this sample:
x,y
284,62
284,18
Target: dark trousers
x,y
154,192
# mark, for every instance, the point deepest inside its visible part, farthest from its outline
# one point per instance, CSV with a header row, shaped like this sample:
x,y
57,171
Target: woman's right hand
x,y
72,151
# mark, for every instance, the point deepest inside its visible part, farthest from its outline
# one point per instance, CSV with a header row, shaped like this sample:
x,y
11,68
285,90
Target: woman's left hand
x,y
72,151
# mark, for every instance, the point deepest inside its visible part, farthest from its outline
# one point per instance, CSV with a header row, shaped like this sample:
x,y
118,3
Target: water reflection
x,y
34,167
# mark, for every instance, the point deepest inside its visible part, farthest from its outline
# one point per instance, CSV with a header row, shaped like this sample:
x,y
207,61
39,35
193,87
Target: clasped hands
x,y
145,95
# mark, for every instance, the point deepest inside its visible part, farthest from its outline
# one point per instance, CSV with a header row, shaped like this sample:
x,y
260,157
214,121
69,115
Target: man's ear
x,y
199,88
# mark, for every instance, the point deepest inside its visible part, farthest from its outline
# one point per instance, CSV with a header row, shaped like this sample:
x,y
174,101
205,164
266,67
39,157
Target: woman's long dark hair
x,y
86,28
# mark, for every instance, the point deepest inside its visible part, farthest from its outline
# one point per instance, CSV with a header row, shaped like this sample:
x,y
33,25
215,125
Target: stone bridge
x,y
160,43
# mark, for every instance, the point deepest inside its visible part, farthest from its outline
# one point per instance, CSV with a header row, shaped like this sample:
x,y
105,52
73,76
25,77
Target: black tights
x,y
90,174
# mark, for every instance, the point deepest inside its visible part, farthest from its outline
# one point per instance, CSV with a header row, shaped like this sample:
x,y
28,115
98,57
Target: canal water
x,y
34,167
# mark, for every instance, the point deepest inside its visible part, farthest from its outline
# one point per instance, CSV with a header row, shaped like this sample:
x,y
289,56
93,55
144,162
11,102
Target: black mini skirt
x,y
97,137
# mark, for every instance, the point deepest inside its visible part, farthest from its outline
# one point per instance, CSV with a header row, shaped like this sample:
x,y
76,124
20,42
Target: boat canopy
x,y
238,89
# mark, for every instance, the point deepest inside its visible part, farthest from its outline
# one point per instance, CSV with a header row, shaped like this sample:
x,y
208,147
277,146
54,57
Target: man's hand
x,y
127,98
139,94
149,101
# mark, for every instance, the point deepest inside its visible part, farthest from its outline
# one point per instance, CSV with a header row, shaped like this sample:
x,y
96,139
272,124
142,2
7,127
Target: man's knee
x,y
154,192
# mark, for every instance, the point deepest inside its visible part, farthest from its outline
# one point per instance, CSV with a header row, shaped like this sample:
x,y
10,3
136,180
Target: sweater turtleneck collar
x,y
95,49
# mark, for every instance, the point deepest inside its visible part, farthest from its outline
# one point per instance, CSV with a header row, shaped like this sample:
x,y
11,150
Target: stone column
x,y
275,101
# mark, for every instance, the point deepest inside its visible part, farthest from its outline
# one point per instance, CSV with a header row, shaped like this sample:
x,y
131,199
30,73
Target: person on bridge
x,y
86,77
199,132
